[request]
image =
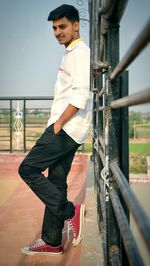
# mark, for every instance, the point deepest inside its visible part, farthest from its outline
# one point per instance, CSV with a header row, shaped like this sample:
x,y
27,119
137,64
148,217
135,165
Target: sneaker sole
x,y
27,252
77,240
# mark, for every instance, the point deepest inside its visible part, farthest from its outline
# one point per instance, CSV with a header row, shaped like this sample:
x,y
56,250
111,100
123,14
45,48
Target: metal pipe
x,y
27,98
24,125
102,92
142,220
134,99
107,7
128,239
11,130
139,44
113,9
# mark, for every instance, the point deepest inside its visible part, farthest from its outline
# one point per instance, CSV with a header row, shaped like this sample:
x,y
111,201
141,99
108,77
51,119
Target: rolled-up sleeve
x,y
80,76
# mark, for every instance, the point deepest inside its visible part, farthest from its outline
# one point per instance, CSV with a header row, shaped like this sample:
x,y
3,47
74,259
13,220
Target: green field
x,y
143,133
88,147
134,148
140,148
137,156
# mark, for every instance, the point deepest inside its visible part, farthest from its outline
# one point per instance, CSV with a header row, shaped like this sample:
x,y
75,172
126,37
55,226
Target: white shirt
x,y
72,87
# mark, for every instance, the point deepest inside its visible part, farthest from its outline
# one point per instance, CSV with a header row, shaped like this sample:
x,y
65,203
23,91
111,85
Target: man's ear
x,y
76,26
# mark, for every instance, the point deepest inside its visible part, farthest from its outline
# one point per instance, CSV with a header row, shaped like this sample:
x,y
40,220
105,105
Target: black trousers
x,y
55,152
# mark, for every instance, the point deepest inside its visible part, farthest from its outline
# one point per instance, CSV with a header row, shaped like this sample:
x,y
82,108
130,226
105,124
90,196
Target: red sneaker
x,y
41,248
76,223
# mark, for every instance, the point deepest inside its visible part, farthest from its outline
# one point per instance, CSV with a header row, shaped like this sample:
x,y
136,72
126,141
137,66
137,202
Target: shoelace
x,y
39,243
72,227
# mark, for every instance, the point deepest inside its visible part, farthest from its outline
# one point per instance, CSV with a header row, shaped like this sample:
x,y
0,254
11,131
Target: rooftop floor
x,y
22,212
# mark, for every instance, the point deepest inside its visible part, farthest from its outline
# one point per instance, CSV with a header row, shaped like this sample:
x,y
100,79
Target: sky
x,y
30,55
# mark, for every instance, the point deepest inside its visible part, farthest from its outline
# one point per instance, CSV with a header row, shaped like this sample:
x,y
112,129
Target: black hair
x,y
68,11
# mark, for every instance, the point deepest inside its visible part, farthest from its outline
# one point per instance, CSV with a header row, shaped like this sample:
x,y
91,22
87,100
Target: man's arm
x,y
69,112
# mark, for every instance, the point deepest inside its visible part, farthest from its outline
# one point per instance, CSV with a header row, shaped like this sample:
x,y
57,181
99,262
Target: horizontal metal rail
x,y
28,98
27,124
133,204
134,99
129,241
138,45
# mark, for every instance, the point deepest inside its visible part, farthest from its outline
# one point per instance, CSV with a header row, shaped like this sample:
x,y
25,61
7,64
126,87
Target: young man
x,y
67,129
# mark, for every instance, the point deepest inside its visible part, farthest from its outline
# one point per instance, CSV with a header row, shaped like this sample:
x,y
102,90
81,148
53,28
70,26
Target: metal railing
x,y
22,121
109,84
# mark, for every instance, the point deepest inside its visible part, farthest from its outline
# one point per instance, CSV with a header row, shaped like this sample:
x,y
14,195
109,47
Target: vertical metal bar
x,y
114,255
83,147
10,126
124,156
24,125
96,31
90,41
92,81
113,149
124,151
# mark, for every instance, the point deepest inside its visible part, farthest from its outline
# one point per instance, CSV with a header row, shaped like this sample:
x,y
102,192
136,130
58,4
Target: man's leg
x,y
52,228
49,150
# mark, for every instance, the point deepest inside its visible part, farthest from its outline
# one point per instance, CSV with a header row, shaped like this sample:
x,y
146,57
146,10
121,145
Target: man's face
x,y
65,31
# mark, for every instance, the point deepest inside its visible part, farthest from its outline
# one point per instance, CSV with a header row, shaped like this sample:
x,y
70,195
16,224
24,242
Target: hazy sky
x,y
30,55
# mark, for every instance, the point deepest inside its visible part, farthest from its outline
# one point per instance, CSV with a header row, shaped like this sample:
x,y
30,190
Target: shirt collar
x,y
73,44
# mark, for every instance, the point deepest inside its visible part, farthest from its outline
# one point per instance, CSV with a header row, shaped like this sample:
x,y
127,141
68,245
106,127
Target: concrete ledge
x,y
91,253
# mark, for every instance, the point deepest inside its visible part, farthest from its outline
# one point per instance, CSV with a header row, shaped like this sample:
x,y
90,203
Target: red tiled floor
x,y
21,214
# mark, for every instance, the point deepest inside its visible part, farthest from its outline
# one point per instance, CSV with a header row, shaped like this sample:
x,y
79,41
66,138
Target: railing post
x,y
24,125
110,149
112,119
124,151
11,129
124,160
